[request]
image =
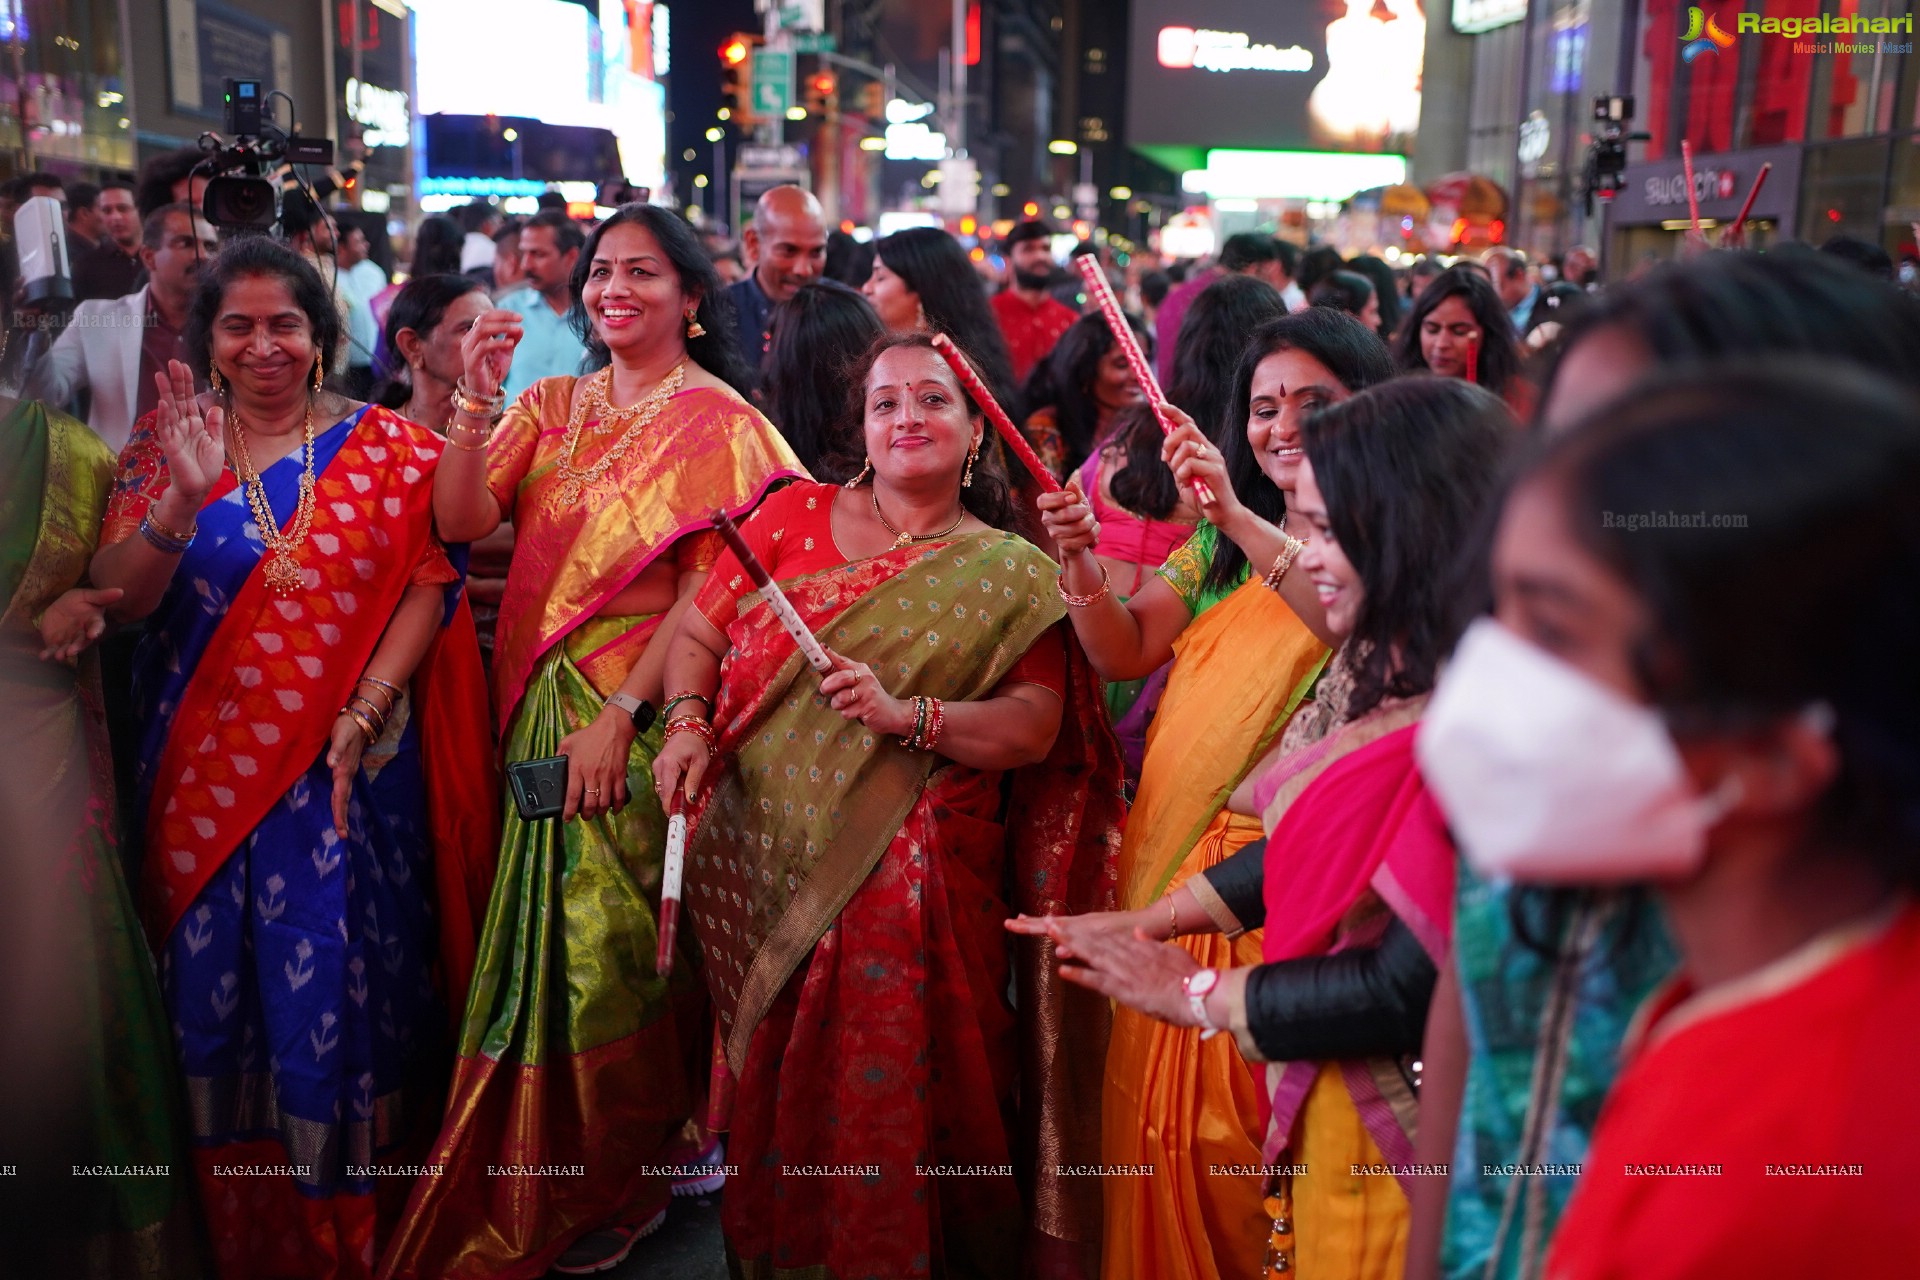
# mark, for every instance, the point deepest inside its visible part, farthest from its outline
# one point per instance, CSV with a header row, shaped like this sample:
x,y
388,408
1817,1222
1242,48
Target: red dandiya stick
x,y
1011,435
770,592
1473,358
1693,197
670,880
1102,290
1759,180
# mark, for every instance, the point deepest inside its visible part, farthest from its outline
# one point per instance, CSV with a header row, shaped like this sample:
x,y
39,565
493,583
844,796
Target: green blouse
x,y
1186,571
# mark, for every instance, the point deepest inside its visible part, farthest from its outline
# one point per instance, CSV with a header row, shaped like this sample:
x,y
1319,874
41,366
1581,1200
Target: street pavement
x,y
688,1247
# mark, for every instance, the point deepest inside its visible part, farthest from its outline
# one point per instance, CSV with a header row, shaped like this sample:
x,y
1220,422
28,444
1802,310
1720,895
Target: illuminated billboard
x,y
1322,75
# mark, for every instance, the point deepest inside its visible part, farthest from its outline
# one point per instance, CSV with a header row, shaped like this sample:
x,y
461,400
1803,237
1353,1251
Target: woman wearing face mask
x,y
1242,660
850,869
1356,884
1557,975
575,1050
1647,706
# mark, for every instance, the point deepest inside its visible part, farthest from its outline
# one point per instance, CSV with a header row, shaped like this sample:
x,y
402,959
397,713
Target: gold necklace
x,y
901,538
283,547
576,479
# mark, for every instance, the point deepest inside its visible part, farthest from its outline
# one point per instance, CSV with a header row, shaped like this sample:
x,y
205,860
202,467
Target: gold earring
x,y
966,480
865,471
318,373
694,328
213,377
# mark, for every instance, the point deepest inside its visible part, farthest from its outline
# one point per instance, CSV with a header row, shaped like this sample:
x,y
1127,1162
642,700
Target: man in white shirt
x,y
113,347
360,278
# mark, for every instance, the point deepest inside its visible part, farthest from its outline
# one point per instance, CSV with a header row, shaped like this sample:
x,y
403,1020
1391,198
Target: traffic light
x,y
823,93
736,77
873,100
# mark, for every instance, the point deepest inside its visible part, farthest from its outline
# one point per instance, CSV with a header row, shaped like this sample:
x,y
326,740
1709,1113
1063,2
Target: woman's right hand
x,y
1069,520
486,353
1196,460
682,762
193,440
1073,935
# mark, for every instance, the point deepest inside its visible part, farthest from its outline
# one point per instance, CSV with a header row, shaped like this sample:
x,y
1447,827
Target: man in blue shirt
x,y
787,243
550,244
1516,288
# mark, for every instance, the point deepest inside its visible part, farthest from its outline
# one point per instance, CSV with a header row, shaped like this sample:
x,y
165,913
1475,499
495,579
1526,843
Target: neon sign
x,y
1184,48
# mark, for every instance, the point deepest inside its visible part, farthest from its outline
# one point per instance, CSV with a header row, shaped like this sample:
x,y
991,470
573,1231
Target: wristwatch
x,y
1197,985
642,712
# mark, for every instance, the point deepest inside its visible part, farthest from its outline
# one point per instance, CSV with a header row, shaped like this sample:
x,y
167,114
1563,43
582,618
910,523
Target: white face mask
x,y
1547,775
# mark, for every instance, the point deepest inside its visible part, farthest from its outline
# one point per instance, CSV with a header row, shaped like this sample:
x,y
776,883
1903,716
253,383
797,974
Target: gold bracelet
x,y
1289,552
366,726
475,406
1081,602
465,448
393,689
167,533
1173,920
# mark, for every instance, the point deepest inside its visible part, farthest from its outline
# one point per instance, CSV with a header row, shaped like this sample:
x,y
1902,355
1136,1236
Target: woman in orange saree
x,y
1244,659
579,1064
852,868
292,762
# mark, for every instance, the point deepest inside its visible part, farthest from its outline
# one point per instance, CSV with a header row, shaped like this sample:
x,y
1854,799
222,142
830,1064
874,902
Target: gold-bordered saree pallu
x,y
95,1123
578,1064
1178,1105
850,897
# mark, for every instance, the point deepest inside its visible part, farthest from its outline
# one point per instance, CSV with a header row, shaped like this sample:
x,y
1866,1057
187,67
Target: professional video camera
x,y
241,196
1606,166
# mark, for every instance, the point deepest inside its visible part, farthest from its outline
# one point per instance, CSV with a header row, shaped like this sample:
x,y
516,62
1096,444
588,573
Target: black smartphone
x,y
539,787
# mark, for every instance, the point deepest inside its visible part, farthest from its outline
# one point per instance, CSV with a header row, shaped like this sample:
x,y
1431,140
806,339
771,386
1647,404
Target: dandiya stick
x,y
670,880
1473,358
1693,197
1011,435
1102,290
1739,223
770,592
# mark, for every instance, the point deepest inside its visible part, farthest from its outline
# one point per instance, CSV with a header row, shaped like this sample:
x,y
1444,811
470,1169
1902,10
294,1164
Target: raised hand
x,y
74,621
193,440
486,353
1195,459
1068,518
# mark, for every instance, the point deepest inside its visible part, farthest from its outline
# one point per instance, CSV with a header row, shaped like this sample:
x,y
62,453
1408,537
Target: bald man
x,y
787,245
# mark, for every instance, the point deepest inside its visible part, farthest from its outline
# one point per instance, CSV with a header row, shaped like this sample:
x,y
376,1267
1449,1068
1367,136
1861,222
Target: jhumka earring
x,y
317,375
213,377
966,481
858,480
694,328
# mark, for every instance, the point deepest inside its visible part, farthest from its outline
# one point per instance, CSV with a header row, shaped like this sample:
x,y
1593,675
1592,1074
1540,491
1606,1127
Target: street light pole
x,y
957,127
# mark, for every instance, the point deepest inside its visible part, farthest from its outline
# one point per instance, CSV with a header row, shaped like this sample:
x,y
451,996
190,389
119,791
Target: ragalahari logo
x,y
1703,36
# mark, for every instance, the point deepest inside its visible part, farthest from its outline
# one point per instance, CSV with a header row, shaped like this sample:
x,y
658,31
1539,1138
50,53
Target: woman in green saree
x,y
93,1118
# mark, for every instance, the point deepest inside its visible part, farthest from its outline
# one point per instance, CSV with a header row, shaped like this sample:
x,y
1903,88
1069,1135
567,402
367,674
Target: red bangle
x,y
694,725
935,723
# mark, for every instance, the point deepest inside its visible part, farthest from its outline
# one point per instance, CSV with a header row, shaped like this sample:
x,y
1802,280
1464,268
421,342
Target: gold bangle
x,y
1289,552
1173,920
366,726
1081,602
167,533
393,689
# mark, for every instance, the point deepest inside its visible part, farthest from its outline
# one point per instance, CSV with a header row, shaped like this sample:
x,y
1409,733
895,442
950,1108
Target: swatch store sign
x,y
1657,192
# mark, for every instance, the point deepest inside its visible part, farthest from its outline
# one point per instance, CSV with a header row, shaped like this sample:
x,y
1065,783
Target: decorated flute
x,y
1102,291
976,387
770,592
670,880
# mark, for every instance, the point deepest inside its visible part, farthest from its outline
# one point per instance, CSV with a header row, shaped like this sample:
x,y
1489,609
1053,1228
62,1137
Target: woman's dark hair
x,y
1406,469
253,257
1385,287
420,306
935,267
15,352
1316,264
1499,357
1729,304
158,176
990,498
1346,291
1212,335
848,260
1352,353
436,247
817,338
1064,381
1744,627
718,349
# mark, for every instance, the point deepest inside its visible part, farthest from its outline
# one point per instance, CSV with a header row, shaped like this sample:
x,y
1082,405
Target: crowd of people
x,y
1475,689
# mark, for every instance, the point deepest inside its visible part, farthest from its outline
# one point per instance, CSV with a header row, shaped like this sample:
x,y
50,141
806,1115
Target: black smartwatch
x,y
643,713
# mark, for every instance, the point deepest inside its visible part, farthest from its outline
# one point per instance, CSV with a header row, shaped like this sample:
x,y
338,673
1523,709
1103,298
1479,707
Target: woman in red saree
x,y
852,867
1709,710
308,716
579,1063
1354,883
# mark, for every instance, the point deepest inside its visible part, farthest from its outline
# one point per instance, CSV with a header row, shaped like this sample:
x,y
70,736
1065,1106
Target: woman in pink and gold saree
x,y
579,1063
863,839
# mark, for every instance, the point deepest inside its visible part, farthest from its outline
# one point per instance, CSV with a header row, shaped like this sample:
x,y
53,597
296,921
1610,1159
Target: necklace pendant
x,y
571,493
904,540
283,573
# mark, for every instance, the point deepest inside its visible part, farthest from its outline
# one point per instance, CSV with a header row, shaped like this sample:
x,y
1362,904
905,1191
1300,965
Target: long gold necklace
x,y
901,538
576,480
283,547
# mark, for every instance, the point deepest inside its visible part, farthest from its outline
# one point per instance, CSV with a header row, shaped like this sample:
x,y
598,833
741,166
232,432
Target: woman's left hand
x,y
856,693
74,621
597,766
343,757
1137,971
